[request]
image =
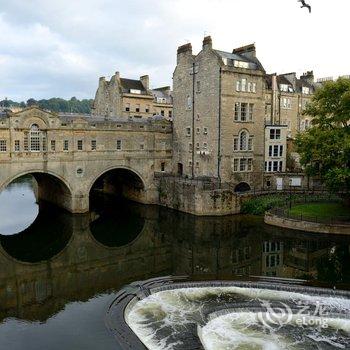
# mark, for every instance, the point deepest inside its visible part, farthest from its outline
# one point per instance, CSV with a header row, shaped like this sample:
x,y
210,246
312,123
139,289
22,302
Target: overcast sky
x,y
59,48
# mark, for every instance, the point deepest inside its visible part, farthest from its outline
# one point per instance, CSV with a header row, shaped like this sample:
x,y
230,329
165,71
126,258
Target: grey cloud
x,y
61,47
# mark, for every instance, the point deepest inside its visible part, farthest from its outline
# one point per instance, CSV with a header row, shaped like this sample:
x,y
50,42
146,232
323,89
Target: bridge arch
x,y
52,187
120,181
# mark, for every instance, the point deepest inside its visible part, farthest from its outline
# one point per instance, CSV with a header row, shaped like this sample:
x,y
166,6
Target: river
x,y
60,272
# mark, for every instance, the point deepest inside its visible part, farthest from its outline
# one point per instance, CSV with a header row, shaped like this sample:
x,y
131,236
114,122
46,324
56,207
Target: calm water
x,y
59,274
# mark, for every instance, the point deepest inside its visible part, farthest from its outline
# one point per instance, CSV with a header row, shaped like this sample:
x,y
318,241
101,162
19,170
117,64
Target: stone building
x,y
131,98
219,104
286,97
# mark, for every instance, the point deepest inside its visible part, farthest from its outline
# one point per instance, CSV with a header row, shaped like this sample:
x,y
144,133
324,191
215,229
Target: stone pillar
x,y
79,204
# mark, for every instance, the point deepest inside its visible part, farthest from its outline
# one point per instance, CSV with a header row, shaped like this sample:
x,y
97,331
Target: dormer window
x,y
241,64
306,90
284,87
135,91
161,100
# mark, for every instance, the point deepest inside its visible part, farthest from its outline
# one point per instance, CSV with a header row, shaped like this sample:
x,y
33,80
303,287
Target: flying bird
x,y
304,4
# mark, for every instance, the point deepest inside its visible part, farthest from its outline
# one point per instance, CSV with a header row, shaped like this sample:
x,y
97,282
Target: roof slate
x,y
132,84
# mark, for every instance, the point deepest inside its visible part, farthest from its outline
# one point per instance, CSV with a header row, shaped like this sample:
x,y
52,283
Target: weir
x,y
193,315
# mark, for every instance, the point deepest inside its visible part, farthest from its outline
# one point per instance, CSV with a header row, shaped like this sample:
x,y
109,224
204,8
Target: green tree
x,y
31,102
325,147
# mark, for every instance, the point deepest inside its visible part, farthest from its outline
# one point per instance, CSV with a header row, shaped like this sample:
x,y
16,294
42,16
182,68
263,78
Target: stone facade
x,y
286,97
225,106
68,154
131,98
219,114
275,148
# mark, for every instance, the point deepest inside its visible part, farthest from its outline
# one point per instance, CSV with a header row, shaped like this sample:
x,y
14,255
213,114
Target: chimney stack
x,y
308,76
145,81
102,82
184,51
274,82
207,42
248,51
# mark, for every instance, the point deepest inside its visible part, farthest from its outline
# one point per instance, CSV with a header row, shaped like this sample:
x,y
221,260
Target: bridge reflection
x,y
46,237
72,258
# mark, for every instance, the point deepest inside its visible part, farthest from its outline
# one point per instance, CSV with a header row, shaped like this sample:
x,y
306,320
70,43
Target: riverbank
x,y
308,226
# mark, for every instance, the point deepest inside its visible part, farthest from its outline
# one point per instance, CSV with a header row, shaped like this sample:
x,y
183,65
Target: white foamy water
x,y
170,319
243,330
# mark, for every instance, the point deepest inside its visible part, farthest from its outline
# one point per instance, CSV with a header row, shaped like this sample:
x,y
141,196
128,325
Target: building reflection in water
x,y
62,258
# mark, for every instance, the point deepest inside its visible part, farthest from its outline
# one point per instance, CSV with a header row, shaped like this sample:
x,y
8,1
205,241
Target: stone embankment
x,y
309,226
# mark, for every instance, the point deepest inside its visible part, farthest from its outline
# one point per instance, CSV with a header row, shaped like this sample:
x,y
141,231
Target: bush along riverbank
x,y
259,205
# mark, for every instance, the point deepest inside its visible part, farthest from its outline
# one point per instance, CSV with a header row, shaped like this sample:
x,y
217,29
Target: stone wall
x,y
205,97
306,225
190,197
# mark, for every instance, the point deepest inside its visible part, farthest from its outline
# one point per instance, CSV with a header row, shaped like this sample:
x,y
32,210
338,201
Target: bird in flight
x,y
304,4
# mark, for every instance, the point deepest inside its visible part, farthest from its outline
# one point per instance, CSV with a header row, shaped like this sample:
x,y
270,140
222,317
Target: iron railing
x,y
333,220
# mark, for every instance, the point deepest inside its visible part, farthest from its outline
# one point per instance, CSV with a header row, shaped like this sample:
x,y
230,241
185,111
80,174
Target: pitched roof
x,y
232,56
132,84
254,62
281,79
163,93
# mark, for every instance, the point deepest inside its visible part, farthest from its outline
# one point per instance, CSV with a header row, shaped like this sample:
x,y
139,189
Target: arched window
x,y
243,140
37,140
189,102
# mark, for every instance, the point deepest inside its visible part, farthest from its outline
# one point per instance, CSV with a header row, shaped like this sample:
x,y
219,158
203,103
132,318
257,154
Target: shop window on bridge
x,y
3,146
17,145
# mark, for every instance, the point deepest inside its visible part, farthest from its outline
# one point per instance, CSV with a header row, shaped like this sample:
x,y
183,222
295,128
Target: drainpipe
x,y
193,91
300,107
279,109
219,129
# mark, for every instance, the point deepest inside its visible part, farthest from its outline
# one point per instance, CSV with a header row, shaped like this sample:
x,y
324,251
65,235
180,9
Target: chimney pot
x,y
207,42
184,48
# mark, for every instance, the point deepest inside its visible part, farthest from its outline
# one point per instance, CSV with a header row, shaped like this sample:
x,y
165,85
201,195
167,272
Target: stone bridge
x,y
70,155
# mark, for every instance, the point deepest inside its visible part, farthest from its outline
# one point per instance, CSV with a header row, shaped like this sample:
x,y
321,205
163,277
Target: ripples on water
x,y
59,271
